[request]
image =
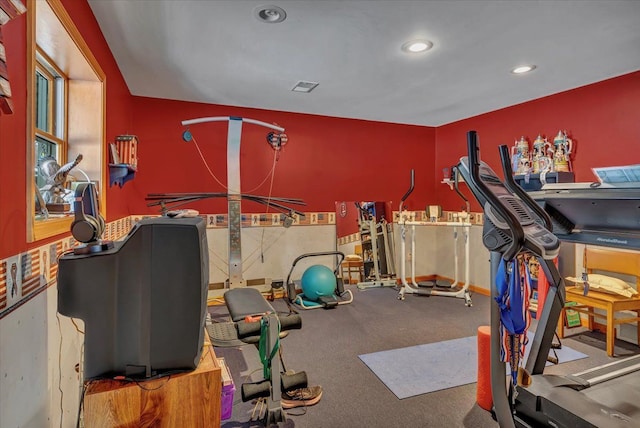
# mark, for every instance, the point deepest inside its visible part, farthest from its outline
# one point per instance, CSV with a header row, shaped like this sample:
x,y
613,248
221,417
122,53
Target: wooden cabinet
x,y
183,400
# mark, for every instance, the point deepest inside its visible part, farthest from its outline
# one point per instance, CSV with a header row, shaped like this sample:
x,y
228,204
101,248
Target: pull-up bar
x,y
227,118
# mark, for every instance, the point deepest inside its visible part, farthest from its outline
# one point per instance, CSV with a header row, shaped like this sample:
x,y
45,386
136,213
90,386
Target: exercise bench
x,y
244,305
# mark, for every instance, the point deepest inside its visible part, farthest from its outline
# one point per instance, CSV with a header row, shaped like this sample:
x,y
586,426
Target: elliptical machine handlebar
x,y
406,195
511,184
517,241
455,171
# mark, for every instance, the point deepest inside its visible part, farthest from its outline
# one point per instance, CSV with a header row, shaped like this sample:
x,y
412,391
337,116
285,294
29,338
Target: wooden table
x,y
609,303
183,400
598,260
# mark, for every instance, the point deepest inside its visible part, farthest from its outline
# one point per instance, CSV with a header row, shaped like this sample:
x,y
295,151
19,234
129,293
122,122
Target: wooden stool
x,y
349,267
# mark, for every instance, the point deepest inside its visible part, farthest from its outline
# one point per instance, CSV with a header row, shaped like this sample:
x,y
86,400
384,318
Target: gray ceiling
x,y
218,52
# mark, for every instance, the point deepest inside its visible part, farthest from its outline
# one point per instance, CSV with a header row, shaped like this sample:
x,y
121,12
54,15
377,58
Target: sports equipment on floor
x,y
321,287
413,287
515,222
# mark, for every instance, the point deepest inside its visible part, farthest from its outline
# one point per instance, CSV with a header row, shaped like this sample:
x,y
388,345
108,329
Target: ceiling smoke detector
x,y
270,14
304,86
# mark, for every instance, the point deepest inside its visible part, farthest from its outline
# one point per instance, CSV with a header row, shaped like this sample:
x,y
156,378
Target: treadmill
x,y
606,396
593,213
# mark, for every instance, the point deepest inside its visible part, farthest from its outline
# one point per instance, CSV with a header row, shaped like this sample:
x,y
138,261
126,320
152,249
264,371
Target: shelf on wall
x,y
120,173
451,183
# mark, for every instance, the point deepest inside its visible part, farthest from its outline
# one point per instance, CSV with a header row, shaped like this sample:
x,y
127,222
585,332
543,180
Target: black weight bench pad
x,y
243,302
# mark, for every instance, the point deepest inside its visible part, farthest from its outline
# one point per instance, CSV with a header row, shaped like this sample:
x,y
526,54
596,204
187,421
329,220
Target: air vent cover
x,y
304,86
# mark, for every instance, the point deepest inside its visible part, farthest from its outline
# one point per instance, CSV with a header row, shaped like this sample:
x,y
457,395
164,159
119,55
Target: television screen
x,y
143,302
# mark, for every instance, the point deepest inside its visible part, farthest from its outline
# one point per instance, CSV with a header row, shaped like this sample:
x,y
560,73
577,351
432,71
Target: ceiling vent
x,y
304,86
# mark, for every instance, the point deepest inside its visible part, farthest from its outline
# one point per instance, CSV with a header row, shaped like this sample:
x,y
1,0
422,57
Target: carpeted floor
x,y
329,344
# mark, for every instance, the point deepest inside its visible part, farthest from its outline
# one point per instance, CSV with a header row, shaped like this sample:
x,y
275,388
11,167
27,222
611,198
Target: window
x,y
67,103
50,121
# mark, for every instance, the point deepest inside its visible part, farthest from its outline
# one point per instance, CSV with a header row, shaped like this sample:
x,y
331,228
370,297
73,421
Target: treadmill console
x,y
497,231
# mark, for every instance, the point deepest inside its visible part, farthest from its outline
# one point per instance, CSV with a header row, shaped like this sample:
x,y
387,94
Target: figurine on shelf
x,y
55,193
563,147
520,157
541,162
524,165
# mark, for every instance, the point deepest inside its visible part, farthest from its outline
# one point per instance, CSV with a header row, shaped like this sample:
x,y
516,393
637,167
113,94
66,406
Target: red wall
x,y
603,120
325,160
13,208
12,144
119,109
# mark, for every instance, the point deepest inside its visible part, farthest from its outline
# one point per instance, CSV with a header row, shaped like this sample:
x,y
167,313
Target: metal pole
x,y
501,404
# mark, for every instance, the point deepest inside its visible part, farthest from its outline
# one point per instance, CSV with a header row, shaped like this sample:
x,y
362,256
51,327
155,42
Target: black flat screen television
x,y
143,302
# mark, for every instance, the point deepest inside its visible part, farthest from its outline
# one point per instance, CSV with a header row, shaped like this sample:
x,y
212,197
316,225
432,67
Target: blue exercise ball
x,y
318,281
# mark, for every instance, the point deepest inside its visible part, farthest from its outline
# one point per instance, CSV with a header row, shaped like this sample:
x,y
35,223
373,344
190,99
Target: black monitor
x,y
143,301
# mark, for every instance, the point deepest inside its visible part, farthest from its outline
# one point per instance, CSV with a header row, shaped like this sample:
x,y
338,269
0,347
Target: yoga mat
x,y
421,369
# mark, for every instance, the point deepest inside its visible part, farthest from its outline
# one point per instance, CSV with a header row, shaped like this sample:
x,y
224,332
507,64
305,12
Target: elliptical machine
x,y
433,288
514,223
601,396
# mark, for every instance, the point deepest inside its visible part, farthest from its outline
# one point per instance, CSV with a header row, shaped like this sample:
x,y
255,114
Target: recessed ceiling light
x,y
523,69
270,14
416,46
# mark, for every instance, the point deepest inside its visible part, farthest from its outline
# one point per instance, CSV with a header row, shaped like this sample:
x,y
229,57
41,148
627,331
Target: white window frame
x,y
57,97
